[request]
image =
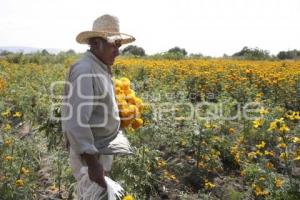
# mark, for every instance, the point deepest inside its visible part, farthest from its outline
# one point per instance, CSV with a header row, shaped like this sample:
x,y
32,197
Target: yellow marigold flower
x,y
269,165
53,188
249,71
2,84
275,124
201,165
17,114
260,192
128,197
269,153
19,183
117,83
278,182
215,152
295,139
8,158
297,158
124,79
261,145
257,123
24,171
125,123
7,127
281,145
209,185
137,123
296,115
234,149
284,128
231,130
252,155
6,113
168,175
260,94
8,142
243,173
258,153
138,101
207,125
262,178
142,106
130,130
133,111
183,142
130,95
263,111
125,113
161,163
125,83
118,91
292,115
216,139
237,158
282,156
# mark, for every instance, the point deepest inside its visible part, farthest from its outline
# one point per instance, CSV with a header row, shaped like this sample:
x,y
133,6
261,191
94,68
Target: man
x,y
90,119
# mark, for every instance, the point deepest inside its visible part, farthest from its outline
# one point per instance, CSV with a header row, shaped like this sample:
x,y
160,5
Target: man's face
x,y
108,52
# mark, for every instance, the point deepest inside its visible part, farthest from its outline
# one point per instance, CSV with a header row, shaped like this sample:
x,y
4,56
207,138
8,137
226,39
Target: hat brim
x,y
83,37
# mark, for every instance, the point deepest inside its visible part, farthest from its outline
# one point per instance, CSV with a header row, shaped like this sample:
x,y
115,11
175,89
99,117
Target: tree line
x,y
176,53
245,53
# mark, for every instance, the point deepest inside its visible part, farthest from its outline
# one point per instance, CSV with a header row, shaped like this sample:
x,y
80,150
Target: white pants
x,y
77,162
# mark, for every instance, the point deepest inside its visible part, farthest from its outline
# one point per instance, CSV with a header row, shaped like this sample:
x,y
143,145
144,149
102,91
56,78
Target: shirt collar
x,y
89,54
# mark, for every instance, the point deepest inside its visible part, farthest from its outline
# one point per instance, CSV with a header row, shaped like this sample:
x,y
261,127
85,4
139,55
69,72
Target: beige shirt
x,y
90,115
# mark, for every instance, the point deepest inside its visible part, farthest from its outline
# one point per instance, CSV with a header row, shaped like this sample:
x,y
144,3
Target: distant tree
x,y
5,52
44,52
178,50
252,54
244,51
225,55
293,54
196,55
17,58
133,50
71,52
282,55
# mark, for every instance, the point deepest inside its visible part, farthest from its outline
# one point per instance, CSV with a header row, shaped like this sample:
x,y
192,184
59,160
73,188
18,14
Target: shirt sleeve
x,y
80,100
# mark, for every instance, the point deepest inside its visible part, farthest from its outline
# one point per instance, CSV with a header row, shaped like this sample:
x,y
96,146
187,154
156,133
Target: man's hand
x,y
95,169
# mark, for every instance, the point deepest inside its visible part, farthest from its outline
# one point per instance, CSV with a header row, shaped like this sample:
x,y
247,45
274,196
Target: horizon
x,y
212,28
29,50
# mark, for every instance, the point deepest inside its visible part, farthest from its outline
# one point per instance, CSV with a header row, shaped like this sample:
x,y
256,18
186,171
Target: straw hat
x,y
107,27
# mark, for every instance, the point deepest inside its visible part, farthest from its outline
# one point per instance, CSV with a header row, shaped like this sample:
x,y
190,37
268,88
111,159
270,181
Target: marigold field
x,y
202,128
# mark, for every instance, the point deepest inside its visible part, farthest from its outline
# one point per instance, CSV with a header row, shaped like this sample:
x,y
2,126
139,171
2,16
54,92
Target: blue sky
x,y
210,27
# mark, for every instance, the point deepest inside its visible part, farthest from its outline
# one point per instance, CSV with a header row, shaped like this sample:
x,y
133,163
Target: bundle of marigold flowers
x,y
130,106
